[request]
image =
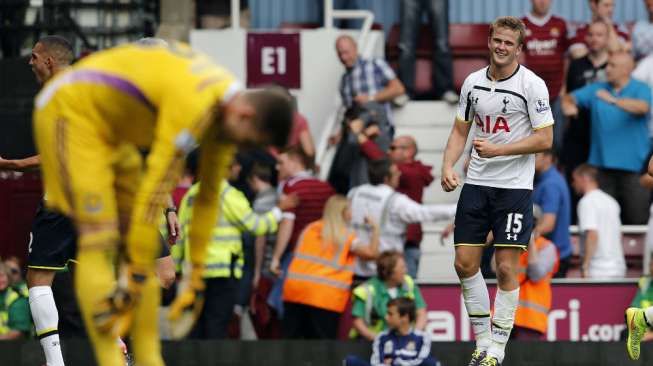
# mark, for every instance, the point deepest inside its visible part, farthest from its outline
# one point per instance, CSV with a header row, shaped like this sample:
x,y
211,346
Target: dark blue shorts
x,y
53,241
507,213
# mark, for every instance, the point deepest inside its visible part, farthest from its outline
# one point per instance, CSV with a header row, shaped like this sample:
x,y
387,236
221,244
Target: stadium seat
x,y
468,47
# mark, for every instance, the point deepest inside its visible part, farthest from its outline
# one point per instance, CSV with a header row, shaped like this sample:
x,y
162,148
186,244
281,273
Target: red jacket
x,y
415,176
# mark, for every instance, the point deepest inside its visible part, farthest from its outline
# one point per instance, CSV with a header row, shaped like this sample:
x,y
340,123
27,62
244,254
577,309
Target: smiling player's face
x,y
504,46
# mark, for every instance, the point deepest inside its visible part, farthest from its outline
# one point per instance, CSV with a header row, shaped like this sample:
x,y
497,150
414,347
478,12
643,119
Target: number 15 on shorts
x,y
513,225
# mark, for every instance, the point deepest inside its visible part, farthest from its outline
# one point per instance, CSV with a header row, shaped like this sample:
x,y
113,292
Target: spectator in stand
x,y
16,278
545,46
320,275
599,226
583,71
15,320
400,344
224,256
366,81
536,268
265,323
312,194
392,210
643,34
365,139
442,69
414,177
618,38
551,194
370,299
620,137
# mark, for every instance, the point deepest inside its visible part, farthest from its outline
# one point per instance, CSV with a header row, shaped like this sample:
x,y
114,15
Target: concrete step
x,y
437,267
420,113
431,138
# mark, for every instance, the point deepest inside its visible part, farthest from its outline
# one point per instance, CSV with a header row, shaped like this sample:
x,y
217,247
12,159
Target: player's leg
x,y
52,245
128,167
638,321
144,206
79,183
505,301
45,314
471,228
512,214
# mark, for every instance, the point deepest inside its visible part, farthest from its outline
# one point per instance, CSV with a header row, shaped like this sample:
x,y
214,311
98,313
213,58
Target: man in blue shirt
x,y
551,193
619,110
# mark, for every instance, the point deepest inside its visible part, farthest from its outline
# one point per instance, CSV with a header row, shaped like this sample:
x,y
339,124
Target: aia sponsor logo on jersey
x,y
487,125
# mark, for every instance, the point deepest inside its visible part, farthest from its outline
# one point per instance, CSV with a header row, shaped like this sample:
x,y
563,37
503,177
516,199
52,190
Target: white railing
x,y
235,14
324,153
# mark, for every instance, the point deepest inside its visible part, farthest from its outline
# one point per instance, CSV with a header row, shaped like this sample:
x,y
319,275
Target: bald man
x,y
620,144
415,176
366,80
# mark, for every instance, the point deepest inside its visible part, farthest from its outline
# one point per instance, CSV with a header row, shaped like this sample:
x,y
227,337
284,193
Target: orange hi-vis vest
x,y
534,297
320,274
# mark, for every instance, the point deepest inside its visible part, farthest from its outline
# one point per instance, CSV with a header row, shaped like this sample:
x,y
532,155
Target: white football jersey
x,y
504,111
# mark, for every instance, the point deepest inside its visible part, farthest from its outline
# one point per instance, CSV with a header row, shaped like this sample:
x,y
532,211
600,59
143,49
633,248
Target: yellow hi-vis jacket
x,y
224,256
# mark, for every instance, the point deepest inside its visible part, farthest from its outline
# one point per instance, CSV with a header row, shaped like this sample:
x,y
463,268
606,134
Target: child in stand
x,y
400,344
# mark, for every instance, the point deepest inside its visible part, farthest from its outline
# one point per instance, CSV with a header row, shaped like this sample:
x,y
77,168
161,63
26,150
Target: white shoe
x,y
450,97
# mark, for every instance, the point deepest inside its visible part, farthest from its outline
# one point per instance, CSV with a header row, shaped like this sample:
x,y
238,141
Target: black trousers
x,y
219,301
632,197
307,322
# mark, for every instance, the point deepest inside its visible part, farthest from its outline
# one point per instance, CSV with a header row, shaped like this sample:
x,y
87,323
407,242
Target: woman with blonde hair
x,y
317,285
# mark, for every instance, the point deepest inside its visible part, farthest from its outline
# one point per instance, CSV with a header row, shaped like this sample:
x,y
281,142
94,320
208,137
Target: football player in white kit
x,y
509,105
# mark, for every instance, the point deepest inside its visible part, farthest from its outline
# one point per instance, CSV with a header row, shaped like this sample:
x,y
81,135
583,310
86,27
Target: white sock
x,y
477,303
649,316
505,305
46,322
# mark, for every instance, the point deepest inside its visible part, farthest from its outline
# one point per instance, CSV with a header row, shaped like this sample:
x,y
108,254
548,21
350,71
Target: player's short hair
x,y
386,264
296,153
587,171
405,306
59,48
512,23
274,114
378,170
262,172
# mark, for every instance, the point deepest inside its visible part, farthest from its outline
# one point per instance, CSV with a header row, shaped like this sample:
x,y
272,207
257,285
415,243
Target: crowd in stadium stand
x,y
284,233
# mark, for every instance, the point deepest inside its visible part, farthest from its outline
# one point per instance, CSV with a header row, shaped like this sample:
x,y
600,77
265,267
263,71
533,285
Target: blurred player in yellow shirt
x,y
89,123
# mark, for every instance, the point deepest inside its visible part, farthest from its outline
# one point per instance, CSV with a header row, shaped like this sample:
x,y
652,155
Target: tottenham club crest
x,y
542,105
505,105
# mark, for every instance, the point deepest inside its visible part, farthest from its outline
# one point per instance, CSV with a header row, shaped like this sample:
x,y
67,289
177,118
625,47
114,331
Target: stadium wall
x,y
331,353
269,14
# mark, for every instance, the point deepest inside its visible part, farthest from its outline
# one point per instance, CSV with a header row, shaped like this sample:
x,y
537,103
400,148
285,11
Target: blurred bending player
x,y
53,239
108,100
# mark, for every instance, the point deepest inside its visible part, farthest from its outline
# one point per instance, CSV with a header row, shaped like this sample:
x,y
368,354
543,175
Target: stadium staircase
x,y
429,123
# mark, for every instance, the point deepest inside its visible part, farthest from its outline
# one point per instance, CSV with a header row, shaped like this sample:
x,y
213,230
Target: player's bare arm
x,y
540,140
32,162
449,179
